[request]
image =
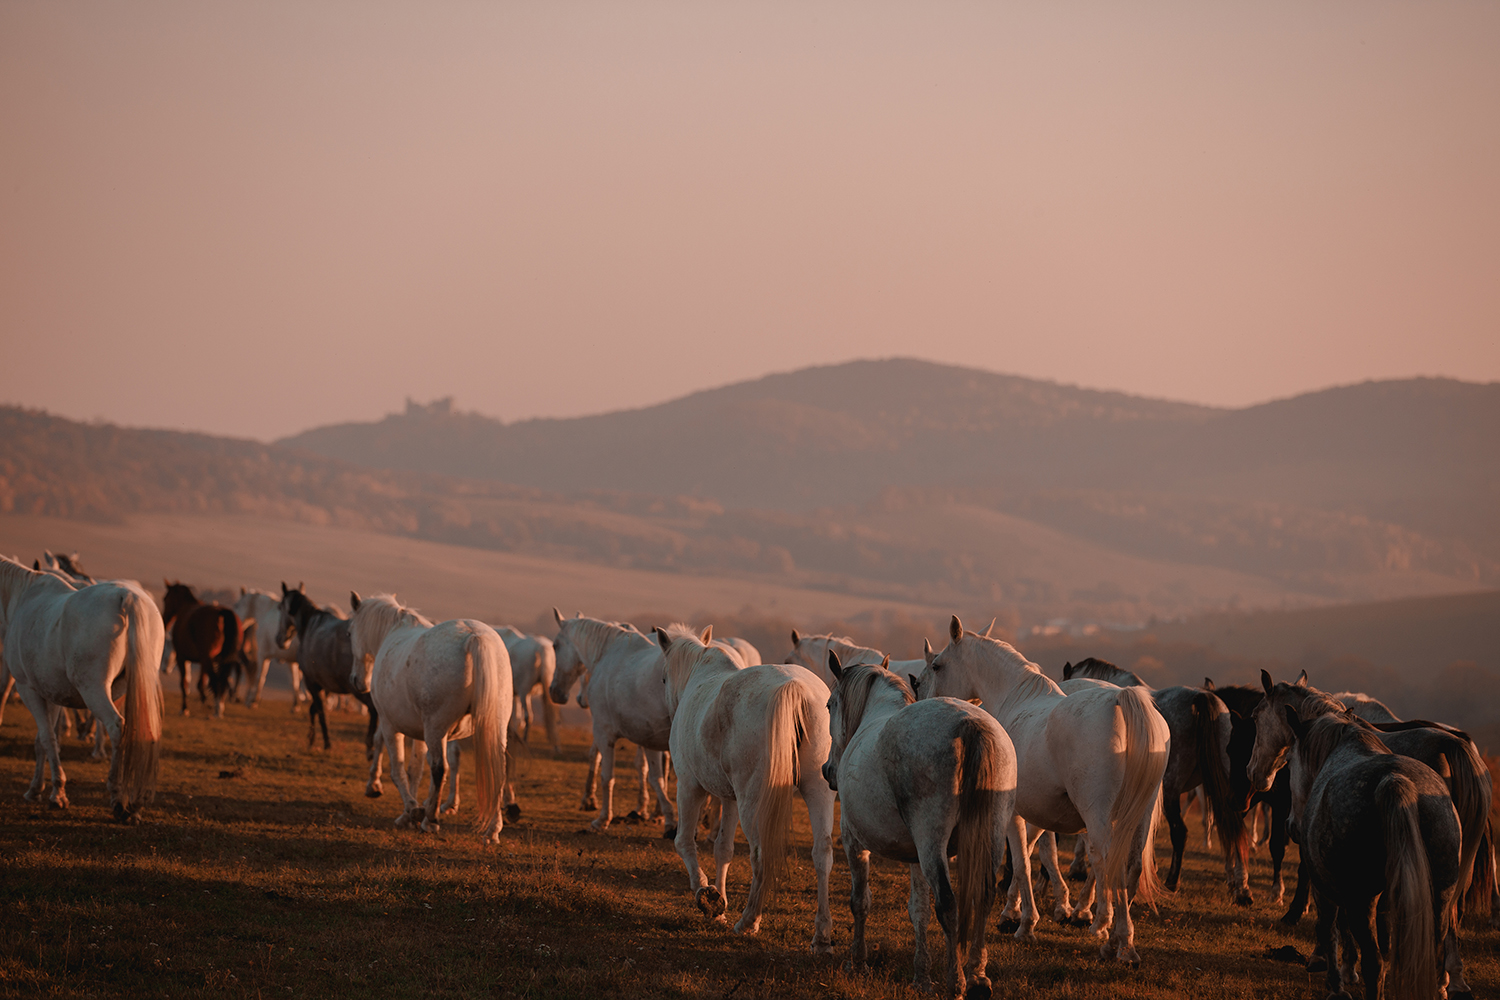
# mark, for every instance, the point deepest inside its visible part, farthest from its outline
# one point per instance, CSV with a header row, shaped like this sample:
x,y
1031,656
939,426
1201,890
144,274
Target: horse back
x,y
326,652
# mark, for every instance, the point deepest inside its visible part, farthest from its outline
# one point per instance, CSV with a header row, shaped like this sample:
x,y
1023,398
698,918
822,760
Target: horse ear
x,y
662,639
707,636
976,702
353,600
36,566
955,629
1208,683
833,665
986,632
242,591
1301,681
558,615
885,664
1067,671
283,588
796,639
1265,681
926,647
165,584
1294,722
301,587
912,678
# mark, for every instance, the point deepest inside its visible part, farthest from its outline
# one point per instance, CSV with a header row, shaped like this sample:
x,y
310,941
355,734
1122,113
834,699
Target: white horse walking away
x,y
1091,760
533,662
753,737
627,699
917,781
83,648
264,611
435,683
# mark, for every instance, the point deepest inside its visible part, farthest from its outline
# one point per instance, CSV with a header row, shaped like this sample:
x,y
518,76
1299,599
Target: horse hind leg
x,y
1172,807
1079,869
47,753
437,763
1062,909
450,800
590,800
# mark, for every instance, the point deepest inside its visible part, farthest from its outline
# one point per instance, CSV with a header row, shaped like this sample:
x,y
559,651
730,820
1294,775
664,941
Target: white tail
x,y
785,730
493,703
546,670
135,764
1414,962
1139,796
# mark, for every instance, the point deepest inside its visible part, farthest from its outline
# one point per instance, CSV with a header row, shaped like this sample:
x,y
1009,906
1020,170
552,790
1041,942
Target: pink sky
x,y
255,218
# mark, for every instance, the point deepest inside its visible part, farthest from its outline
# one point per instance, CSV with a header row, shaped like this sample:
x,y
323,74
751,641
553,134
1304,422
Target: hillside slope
x,y
1422,454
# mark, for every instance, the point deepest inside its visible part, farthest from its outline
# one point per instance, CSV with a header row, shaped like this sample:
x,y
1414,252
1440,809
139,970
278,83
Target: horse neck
x,y
177,602
883,702
850,654
603,638
1008,682
711,663
15,580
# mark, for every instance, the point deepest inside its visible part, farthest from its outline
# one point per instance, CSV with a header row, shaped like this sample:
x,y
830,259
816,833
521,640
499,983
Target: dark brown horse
x,y
206,634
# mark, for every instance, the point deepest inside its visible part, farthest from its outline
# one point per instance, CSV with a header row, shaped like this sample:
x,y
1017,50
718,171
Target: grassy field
x,y
262,871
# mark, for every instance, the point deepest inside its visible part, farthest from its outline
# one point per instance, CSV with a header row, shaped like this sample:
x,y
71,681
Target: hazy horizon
x,y
256,219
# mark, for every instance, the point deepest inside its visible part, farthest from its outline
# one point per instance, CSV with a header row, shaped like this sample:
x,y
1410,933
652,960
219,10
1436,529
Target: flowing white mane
x,y
1024,679
378,615
591,636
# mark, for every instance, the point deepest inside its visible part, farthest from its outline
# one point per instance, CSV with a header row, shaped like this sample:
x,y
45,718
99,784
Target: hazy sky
x,y
252,218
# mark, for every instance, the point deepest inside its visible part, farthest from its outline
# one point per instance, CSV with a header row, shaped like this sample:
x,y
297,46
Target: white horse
x,y
435,683
533,662
626,699
261,614
915,781
811,651
84,648
1090,760
752,737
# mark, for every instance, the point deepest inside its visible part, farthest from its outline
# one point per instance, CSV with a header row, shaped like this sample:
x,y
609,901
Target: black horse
x,y
326,657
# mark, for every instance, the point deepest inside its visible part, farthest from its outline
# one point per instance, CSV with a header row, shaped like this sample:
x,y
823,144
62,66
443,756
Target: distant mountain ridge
x,y
1422,453
894,480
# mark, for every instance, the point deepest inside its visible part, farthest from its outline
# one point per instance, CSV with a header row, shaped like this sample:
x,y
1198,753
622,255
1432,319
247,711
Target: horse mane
x,y
1318,704
380,613
1327,732
680,667
855,686
1029,681
13,572
853,649
591,635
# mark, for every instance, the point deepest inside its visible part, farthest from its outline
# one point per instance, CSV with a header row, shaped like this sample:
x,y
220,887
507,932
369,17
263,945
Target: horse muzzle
x,y
831,775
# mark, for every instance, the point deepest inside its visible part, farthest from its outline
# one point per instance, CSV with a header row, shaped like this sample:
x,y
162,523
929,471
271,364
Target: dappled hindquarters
x,y
261,871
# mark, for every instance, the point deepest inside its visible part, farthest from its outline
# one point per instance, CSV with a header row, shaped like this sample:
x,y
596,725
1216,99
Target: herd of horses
x,y
968,753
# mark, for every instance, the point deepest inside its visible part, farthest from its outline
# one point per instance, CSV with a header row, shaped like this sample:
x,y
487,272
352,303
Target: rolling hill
x,y
897,481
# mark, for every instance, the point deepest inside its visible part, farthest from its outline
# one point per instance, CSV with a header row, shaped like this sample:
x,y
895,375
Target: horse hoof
x,y
512,813
403,821
670,833
710,901
429,826
1317,963
979,991
589,805
373,793
1009,926
185,713
1243,898
1172,883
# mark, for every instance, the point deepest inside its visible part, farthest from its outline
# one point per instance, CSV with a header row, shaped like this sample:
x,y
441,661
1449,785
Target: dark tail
x,y
1413,948
229,624
1228,815
1471,786
978,799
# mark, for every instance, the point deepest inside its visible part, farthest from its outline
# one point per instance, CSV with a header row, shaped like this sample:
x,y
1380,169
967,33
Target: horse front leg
x,y
397,743
606,749
590,800
656,776
1281,808
184,669
376,754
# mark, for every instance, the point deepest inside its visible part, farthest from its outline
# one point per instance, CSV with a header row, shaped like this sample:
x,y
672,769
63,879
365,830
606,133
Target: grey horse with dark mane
x,y
1200,725
327,660
1378,830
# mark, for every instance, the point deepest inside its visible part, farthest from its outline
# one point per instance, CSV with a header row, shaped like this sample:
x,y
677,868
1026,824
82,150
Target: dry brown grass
x,y
285,881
